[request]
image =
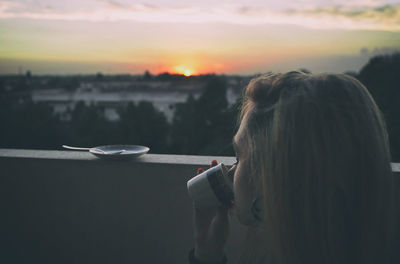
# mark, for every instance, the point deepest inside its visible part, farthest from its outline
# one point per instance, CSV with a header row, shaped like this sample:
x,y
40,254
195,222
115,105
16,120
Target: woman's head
x,y
315,148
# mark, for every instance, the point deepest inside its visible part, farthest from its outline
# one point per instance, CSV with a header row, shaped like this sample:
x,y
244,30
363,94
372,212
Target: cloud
x,y
354,16
382,13
49,8
113,4
362,14
10,7
385,17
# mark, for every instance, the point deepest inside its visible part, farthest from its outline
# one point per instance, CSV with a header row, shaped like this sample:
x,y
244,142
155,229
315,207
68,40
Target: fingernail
x,y
214,163
200,170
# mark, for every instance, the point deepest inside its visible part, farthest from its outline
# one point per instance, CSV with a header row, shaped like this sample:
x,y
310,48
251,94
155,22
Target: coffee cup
x,y
211,188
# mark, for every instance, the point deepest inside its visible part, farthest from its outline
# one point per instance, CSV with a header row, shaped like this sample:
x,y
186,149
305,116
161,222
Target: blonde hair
x,y
320,146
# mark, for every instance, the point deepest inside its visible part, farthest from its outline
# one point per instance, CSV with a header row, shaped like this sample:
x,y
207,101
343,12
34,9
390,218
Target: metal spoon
x,y
75,148
95,149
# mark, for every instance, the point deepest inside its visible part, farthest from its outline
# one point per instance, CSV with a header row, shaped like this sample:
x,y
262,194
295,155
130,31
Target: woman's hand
x,y
211,230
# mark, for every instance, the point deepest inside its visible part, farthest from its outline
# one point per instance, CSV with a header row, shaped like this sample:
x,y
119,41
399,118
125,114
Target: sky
x,y
194,37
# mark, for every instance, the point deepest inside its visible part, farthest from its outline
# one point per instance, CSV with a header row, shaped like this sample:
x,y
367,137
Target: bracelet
x,y
193,260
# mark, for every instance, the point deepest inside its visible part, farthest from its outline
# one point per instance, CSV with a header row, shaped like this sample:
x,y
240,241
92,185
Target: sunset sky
x,y
232,37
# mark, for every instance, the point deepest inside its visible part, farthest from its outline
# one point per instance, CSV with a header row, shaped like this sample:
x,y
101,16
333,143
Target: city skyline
x,y
194,37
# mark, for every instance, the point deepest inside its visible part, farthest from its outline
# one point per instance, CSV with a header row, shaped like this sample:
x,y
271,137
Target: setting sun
x,y
184,70
187,73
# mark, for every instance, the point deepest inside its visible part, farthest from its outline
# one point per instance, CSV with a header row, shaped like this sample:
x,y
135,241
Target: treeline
x,y
30,82
381,75
202,126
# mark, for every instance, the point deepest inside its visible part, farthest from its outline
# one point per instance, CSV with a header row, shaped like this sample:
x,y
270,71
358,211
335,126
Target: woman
x,y
313,172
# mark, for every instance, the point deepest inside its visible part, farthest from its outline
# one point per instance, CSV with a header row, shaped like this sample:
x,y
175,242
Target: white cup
x,y
212,188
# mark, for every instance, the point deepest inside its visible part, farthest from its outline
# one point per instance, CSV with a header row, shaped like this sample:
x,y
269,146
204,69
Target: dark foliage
x,y
381,75
203,125
144,125
29,125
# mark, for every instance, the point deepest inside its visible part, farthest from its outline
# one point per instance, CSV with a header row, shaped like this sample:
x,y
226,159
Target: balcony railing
x,y
70,207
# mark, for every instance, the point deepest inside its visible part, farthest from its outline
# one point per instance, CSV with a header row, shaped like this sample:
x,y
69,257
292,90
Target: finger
x,y
200,170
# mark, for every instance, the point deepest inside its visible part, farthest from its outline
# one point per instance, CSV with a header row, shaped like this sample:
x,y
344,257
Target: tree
x,y
144,125
147,76
185,127
88,126
29,125
204,126
381,76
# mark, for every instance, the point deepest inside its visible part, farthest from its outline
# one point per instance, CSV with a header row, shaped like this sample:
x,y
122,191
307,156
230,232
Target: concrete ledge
x,y
71,207
84,155
148,158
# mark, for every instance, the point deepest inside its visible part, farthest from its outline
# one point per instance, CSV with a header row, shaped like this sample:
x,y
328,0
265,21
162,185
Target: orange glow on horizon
x,y
184,70
187,73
